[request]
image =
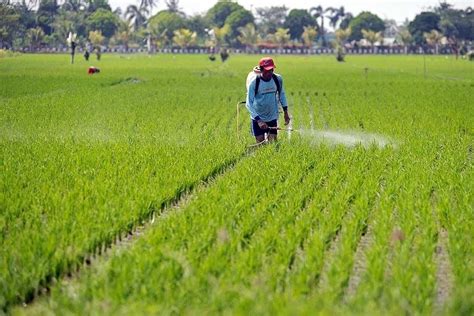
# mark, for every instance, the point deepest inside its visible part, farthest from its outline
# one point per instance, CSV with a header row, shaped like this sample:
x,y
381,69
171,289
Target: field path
x,y
444,275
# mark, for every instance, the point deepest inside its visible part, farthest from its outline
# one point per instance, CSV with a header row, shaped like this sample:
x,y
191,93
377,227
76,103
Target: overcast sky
x,y
393,9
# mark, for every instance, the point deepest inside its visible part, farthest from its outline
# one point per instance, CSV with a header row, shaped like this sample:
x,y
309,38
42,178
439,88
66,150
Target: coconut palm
x,y
65,23
137,16
184,38
406,39
248,36
372,37
74,5
148,4
433,38
173,6
96,38
124,34
309,35
35,36
281,37
319,13
219,36
342,35
337,16
155,35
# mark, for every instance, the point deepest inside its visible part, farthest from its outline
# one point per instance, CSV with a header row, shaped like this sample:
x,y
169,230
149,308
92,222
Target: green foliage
x,y
365,21
281,37
238,19
372,37
455,23
96,38
309,35
184,38
198,24
94,5
47,11
166,22
423,23
103,20
271,18
70,21
4,53
35,36
296,20
248,36
8,24
59,18
218,14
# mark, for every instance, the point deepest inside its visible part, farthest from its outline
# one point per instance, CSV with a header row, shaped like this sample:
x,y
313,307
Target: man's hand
x,y
287,118
262,125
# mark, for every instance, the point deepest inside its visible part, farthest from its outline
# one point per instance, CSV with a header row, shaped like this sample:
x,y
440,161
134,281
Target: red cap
x,y
266,63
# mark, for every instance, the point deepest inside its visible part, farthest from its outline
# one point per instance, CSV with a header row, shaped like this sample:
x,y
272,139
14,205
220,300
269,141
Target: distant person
x,y
265,93
73,51
86,55
224,54
93,70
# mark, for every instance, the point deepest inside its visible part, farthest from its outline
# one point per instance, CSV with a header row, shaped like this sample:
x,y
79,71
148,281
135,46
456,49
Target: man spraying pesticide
x,y
265,93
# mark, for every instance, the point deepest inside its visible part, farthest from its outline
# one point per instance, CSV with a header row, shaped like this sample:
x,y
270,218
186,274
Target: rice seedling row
x,y
382,149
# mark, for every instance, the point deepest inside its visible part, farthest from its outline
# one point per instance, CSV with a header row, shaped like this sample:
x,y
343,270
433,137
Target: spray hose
x,y
238,118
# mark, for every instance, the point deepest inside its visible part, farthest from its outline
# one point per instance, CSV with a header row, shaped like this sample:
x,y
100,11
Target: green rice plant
x,y
274,230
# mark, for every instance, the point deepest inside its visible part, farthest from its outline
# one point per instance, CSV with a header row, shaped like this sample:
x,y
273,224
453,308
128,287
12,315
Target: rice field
x,y
132,191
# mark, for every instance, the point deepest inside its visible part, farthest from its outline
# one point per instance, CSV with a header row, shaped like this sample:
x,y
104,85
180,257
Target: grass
x,y
85,159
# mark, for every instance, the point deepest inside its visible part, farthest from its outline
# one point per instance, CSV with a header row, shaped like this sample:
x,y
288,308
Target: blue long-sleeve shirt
x,y
264,105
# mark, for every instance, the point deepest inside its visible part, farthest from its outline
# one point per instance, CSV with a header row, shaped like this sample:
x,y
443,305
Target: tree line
x,y
34,24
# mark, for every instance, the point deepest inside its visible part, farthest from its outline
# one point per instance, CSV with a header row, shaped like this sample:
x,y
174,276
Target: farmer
x,y
73,50
265,93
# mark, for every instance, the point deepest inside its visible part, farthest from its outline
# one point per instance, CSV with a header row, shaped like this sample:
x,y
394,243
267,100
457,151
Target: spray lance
x,y
288,129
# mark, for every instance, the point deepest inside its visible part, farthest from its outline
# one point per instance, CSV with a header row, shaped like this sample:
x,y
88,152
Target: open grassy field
x,y
131,192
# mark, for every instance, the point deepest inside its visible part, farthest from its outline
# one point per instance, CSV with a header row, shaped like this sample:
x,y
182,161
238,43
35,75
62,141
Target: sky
x,y
398,10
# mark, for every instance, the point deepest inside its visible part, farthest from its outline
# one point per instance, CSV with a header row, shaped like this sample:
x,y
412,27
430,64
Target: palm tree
x,y
124,34
309,35
96,38
173,6
281,37
148,4
73,5
342,35
35,36
220,35
337,16
64,23
372,37
406,39
184,38
248,36
433,38
318,13
160,38
137,16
